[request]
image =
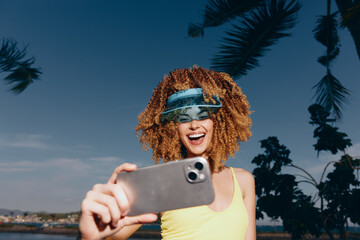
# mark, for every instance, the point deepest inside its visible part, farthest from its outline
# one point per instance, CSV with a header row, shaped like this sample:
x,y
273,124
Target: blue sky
x,y
102,59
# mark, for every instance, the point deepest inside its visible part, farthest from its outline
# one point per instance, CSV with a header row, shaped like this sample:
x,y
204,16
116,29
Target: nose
x,y
194,124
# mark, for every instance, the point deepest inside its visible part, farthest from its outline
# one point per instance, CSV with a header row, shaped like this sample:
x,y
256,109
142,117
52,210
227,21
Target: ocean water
x,y
37,236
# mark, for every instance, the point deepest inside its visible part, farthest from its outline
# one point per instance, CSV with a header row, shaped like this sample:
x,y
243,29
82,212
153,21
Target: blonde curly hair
x,y
231,123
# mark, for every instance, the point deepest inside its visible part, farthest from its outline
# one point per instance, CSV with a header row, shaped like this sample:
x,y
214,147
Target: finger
x,y
115,191
109,202
142,219
97,209
128,167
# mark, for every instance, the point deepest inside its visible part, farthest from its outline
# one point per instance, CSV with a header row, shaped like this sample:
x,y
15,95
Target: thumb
x,y
140,219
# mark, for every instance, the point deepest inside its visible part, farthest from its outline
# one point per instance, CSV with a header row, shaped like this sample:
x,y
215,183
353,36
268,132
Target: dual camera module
x,y
194,172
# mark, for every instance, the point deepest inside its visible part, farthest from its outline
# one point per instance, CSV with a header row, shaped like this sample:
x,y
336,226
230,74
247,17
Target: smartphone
x,y
173,185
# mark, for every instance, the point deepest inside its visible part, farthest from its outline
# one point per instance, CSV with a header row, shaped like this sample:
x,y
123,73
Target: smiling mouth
x,y
196,138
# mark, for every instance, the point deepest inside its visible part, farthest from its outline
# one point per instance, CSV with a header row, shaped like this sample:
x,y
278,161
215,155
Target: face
x,y
196,135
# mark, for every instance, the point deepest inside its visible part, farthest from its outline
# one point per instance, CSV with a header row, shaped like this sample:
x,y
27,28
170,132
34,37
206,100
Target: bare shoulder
x,y
243,175
245,179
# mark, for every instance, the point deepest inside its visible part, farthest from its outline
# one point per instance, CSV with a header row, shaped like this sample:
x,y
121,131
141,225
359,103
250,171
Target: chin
x,y
196,154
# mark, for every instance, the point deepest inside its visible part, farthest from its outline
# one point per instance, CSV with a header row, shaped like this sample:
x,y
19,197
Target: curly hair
x,y
231,123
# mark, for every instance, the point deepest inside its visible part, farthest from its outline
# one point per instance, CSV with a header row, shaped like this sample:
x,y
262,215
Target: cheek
x,y
181,133
210,127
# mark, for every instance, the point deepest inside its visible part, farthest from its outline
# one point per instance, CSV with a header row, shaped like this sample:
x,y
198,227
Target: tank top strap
x,y
237,190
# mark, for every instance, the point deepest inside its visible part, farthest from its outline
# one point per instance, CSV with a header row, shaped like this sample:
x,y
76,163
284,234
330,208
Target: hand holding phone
x,y
104,209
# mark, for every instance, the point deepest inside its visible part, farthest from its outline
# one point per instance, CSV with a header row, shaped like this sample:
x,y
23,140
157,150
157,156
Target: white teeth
x,y
196,135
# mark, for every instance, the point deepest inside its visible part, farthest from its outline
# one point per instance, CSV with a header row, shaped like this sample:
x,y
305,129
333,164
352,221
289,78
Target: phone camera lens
x,y
199,166
192,176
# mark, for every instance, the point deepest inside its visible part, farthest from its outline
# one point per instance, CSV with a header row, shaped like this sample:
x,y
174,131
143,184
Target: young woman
x,y
192,112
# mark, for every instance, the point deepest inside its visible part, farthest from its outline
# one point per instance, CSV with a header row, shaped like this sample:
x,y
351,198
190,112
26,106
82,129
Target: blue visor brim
x,y
189,98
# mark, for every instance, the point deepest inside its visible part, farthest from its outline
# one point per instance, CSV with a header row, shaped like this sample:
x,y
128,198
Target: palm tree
x,y
12,61
261,23
350,19
330,93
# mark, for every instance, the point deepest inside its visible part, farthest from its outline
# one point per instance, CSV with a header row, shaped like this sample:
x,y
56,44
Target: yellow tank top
x,y
197,223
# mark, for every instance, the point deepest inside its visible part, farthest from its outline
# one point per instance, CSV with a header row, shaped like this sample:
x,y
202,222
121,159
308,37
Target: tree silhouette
x,y
280,196
341,193
20,71
328,137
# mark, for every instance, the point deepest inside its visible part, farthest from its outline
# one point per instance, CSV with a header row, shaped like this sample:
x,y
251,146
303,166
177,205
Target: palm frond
x,y
331,94
12,60
326,33
10,54
22,77
351,15
253,36
329,57
195,30
218,12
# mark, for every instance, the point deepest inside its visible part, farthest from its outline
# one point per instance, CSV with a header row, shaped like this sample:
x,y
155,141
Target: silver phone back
x,y
168,186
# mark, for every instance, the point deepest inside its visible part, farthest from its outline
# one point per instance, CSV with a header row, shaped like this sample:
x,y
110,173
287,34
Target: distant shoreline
x,y
141,233
24,229
146,233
